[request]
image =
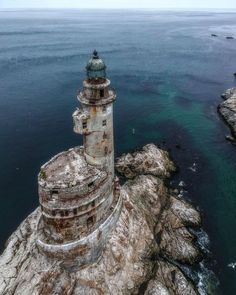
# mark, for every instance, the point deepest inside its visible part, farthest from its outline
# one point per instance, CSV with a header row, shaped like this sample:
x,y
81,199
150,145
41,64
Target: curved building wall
x,y
68,219
73,226
83,251
74,196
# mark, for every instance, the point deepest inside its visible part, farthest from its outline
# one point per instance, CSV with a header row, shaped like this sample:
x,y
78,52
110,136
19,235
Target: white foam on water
x,y
207,281
232,265
203,240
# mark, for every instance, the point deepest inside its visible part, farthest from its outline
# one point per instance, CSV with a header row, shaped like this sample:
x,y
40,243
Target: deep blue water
x,y
168,73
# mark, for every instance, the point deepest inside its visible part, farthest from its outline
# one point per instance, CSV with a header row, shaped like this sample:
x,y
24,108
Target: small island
x,y
92,235
227,109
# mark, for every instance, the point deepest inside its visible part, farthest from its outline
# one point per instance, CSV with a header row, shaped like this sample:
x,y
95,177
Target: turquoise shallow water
x,y
168,73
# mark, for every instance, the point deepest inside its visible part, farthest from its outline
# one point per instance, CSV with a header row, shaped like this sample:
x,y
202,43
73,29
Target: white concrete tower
x,y
95,117
79,196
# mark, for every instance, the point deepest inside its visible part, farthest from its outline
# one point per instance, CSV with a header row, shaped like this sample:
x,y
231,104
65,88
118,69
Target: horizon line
x,y
117,8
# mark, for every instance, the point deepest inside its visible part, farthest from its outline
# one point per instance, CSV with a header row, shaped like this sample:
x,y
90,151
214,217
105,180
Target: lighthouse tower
x,y
79,194
95,117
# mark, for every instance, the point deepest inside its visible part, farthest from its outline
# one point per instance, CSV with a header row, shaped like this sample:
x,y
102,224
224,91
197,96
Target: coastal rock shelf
x,y
228,109
150,236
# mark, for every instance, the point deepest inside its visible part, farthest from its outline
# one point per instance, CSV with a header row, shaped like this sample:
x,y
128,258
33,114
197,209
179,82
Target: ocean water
x,y
168,73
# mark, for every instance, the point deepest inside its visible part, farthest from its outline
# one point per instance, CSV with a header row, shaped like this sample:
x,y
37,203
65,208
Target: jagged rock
x,y
228,109
126,263
175,240
23,270
169,280
150,160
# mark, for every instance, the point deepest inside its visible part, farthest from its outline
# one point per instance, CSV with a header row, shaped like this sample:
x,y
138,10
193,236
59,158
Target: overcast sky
x,y
191,4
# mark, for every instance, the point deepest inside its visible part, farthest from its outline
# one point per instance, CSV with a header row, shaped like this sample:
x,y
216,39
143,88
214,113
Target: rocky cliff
x,y
141,256
228,109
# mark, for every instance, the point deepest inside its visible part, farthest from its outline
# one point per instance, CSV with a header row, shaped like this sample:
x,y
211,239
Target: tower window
x,y
84,125
106,150
104,108
101,92
90,220
54,195
90,184
104,123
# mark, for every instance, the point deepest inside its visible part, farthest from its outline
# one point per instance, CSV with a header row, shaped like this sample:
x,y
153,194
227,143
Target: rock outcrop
x,y
168,280
151,235
228,109
150,160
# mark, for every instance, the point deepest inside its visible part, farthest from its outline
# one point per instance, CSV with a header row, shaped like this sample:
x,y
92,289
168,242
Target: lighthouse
x,y
79,194
94,119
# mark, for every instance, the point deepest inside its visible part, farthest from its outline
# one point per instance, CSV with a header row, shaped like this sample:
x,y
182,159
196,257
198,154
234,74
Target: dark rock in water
x,y
214,35
228,109
235,74
229,37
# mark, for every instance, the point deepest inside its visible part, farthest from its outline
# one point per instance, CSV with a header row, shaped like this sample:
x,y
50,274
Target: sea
x,y
168,72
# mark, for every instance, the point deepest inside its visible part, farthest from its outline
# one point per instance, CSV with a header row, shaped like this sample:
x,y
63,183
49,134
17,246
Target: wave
x,y
203,278
203,240
207,282
13,33
46,59
13,61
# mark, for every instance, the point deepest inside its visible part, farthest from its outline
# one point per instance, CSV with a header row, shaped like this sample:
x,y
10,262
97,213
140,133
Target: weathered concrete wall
x,y
96,91
95,121
83,251
70,198
72,211
66,228
98,141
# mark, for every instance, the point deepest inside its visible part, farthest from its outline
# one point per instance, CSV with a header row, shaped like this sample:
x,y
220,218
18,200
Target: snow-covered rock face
x,y
228,109
151,228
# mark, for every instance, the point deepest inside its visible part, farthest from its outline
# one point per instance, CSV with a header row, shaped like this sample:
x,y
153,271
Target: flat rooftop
x,y
69,169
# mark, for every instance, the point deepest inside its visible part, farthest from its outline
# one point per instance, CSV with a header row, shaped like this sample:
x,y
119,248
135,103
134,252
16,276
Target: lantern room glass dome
x,y
96,67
